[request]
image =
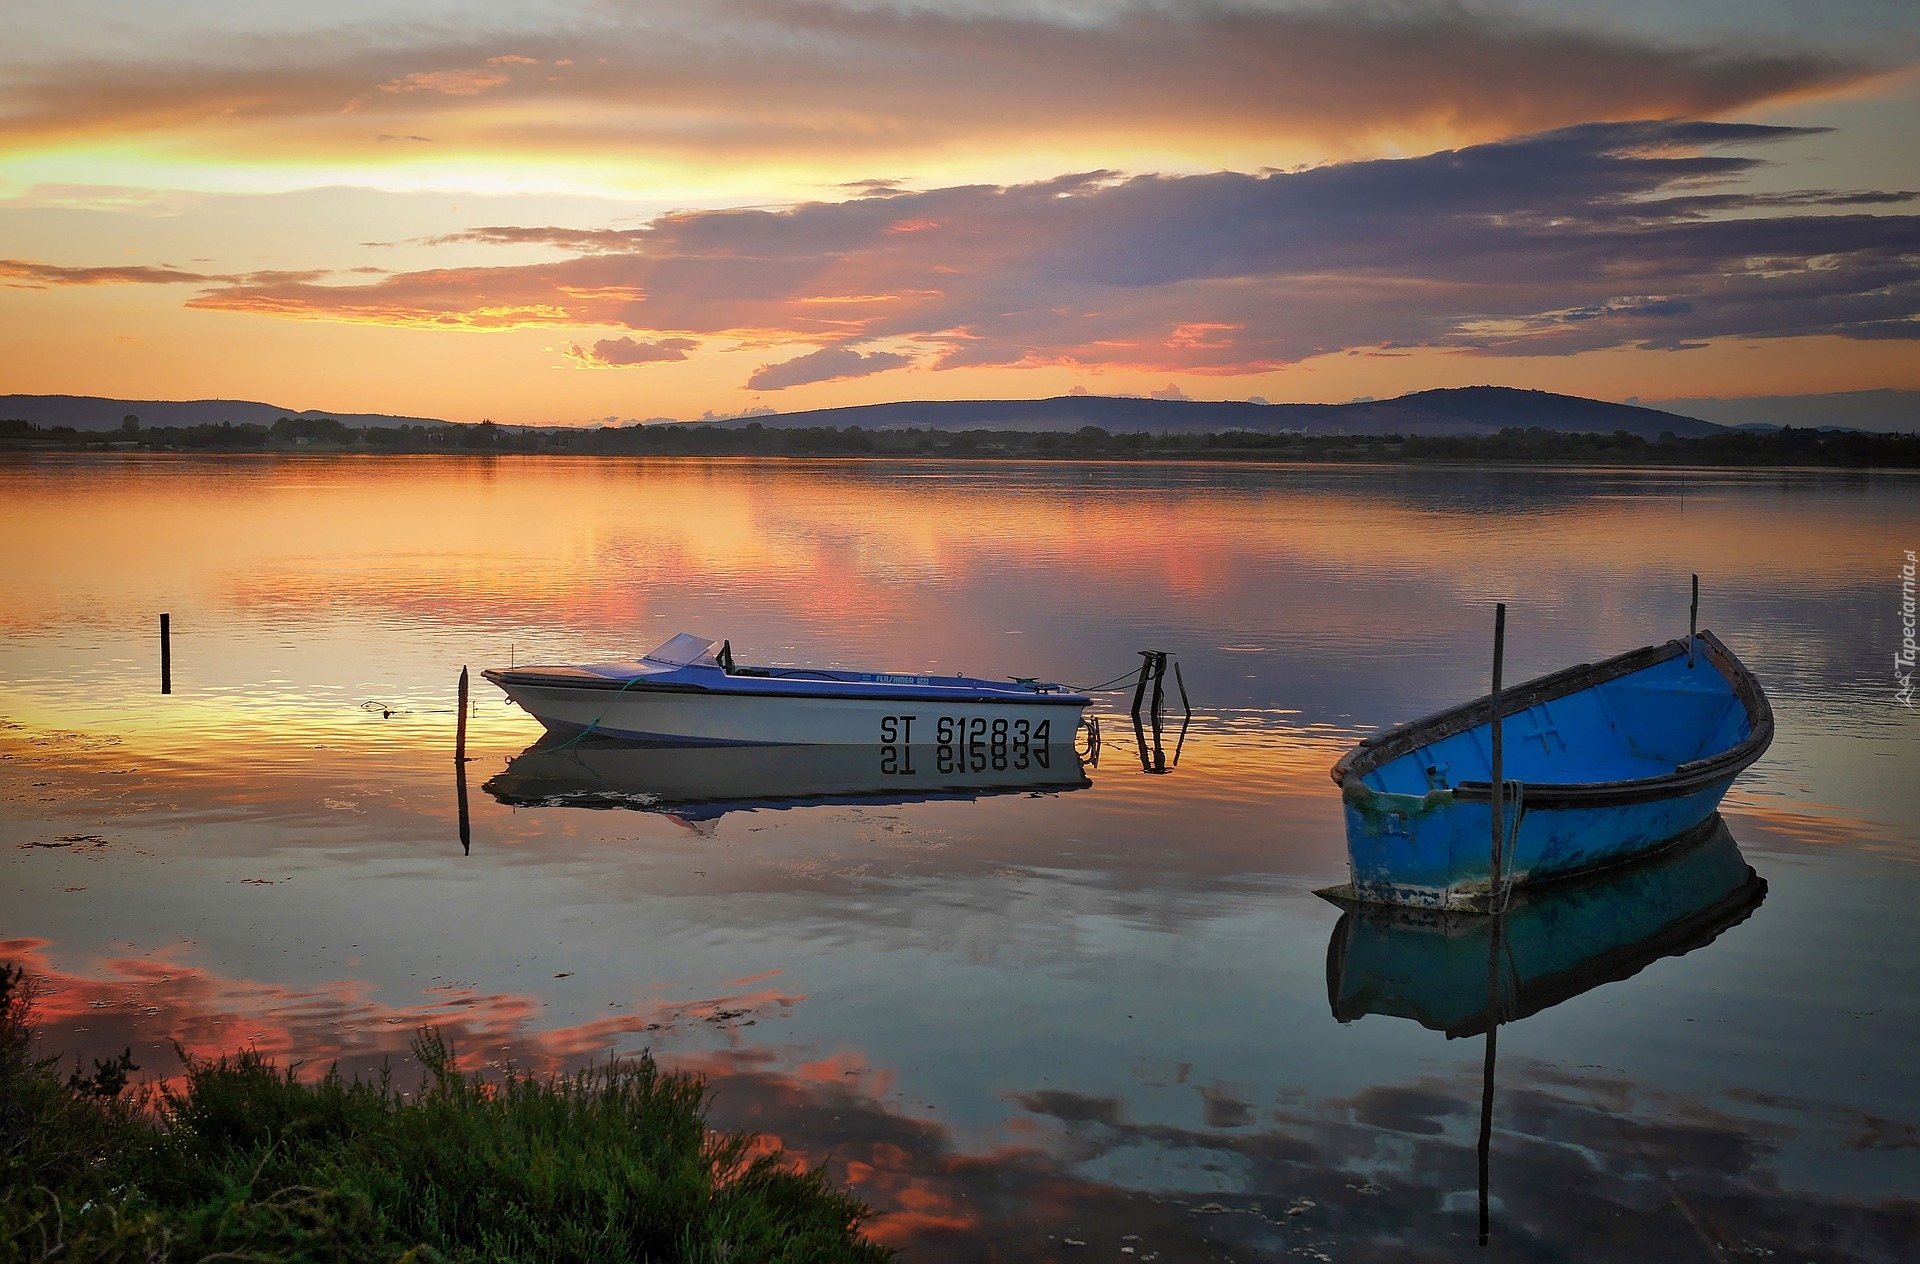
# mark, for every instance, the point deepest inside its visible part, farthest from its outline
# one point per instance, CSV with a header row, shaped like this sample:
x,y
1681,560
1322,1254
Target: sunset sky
x,y
622,209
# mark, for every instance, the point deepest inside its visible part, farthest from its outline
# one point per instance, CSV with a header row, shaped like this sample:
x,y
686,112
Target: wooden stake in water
x,y
1499,770
1693,621
166,653
460,728
1140,689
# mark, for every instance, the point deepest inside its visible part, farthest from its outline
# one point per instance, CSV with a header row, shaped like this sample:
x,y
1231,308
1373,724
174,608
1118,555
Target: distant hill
x,y
1885,411
90,412
1469,410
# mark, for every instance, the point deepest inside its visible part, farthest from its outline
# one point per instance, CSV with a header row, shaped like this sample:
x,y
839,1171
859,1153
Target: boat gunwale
x,y
985,694
1391,744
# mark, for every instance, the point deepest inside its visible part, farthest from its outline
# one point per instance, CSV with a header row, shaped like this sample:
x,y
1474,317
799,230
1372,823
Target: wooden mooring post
x,y
1499,769
460,726
166,653
1146,675
1693,621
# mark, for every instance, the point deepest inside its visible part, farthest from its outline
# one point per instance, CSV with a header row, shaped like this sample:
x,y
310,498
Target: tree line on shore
x,y
1532,445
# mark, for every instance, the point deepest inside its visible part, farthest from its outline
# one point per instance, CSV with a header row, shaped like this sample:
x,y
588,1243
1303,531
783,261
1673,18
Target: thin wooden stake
x,y
1693,621
1140,689
460,729
166,653
1499,769
1180,680
1159,685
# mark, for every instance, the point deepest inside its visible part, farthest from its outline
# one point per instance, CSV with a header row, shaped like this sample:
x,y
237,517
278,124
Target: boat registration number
x,y
962,730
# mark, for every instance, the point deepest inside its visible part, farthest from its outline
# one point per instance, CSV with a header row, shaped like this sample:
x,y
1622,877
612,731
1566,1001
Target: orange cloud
x,y
453,83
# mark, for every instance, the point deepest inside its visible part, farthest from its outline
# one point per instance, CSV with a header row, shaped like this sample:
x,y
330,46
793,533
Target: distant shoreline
x,y
1531,448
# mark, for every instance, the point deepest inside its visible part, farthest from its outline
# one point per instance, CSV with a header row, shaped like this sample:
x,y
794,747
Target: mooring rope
x,y
1132,674
575,739
1512,840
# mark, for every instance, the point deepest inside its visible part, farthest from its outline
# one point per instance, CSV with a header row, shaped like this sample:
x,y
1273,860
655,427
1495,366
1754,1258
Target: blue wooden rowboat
x,y
1604,763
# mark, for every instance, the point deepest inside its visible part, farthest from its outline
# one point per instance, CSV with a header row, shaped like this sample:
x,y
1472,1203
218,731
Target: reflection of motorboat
x,y
1604,763
1465,973
1555,942
691,691
700,782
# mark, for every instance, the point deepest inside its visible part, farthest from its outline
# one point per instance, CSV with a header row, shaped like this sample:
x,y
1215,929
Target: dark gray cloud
x,y
835,84
828,364
623,352
1603,235
28,274
23,272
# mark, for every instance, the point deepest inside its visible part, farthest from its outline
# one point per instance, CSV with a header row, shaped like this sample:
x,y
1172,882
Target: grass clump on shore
x,y
244,1162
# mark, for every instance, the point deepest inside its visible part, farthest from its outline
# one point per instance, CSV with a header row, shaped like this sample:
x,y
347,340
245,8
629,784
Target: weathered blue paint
x,y
1603,763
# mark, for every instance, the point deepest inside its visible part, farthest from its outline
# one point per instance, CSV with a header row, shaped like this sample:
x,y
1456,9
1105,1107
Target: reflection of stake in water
x,y
1465,974
460,765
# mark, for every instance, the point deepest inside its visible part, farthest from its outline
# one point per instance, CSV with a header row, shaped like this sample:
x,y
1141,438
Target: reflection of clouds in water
x,y
147,1003
1390,1172
1626,1170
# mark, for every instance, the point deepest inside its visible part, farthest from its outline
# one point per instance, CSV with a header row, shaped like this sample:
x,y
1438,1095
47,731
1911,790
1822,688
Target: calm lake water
x,y
1103,1018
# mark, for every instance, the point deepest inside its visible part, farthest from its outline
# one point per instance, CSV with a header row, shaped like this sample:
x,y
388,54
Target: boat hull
x,y
682,717
1439,856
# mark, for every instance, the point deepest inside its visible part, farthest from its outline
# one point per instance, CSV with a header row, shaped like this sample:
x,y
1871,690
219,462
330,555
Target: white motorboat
x,y
690,690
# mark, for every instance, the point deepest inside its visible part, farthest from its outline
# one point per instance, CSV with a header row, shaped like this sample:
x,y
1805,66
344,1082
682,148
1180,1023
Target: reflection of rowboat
x,y
1463,973
1603,763
1556,942
700,782
691,691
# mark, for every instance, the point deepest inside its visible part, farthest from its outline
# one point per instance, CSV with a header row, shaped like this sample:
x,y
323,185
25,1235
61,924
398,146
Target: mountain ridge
x,y
1445,411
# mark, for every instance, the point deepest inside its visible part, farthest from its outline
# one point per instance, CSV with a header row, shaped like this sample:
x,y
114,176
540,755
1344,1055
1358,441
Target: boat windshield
x,y
685,650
